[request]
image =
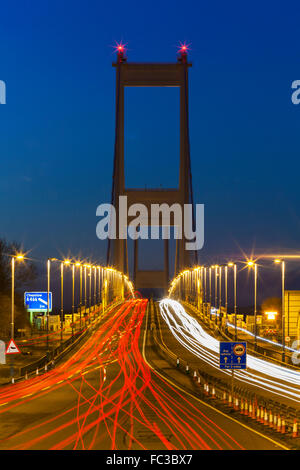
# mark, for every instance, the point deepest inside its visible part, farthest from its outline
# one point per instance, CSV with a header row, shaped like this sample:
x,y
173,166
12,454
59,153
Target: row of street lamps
x,y
85,270
218,269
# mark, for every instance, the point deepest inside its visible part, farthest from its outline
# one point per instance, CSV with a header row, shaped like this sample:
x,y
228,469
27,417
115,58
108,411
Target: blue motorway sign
x,y
233,355
37,301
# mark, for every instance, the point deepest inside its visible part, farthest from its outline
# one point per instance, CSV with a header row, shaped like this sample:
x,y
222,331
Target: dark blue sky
x,y
57,128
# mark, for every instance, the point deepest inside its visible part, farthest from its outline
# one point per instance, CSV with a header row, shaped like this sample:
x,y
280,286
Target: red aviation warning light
x,y
182,51
120,50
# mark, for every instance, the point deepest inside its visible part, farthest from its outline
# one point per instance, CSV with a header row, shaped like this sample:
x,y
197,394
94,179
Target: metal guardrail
x,y
47,361
273,415
259,351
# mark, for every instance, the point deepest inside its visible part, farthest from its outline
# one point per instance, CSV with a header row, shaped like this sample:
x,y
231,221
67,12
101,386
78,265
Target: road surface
x,y
115,392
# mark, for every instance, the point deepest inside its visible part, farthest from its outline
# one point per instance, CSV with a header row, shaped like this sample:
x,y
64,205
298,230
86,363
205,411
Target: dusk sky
x,y
57,128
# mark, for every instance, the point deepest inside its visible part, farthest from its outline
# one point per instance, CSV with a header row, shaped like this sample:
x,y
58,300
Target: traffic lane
x,y
182,390
47,419
75,361
195,362
41,420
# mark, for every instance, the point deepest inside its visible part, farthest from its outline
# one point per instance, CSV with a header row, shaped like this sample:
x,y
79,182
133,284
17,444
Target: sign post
x,y
233,355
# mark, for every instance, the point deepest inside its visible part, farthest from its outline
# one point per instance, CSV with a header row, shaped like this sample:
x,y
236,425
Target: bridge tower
x,y
151,75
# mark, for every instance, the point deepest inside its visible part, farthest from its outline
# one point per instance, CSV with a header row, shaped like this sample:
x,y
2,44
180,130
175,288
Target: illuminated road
x,y
282,382
115,392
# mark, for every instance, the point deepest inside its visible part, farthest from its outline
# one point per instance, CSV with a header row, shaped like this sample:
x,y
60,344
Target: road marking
x,y
45,388
1,404
203,402
29,395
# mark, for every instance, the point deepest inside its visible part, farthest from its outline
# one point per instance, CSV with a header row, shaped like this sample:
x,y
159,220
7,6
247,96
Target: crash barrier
x,y
48,361
271,414
259,351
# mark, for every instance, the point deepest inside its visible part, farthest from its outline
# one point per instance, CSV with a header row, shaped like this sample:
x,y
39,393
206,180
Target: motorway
x,y
116,392
264,377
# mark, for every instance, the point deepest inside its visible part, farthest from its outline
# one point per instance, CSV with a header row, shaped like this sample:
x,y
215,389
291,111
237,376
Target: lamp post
x,y
216,291
99,287
95,288
67,262
80,292
85,266
278,261
209,280
220,295
234,297
251,264
226,290
18,257
90,291
61,302
48,301
78,265
205,299
73,299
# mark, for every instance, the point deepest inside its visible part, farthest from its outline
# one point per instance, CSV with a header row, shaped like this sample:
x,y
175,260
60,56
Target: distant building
x,y
292,313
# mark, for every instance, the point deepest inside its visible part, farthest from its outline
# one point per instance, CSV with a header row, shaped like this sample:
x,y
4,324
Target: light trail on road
x,y
279,380
106,395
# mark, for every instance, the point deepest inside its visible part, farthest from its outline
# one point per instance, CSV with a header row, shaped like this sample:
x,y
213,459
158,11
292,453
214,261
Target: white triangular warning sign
x,y
12,348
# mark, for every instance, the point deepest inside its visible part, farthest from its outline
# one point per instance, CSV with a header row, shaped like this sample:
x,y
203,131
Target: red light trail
x,y
115,398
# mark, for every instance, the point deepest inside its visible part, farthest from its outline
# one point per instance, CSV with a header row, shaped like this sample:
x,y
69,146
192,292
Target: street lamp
x,y
18,257
209,281
73,298
220,295
95,288
251,264
234,295
99,287
226,289
80,290
278,261
216,287
90,291
85,266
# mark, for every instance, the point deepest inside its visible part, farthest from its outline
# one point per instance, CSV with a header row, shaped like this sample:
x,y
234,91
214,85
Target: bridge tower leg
x,y
137,75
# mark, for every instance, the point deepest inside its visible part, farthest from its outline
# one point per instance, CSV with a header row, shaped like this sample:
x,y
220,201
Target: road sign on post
x,y
38,301
233,355
12,348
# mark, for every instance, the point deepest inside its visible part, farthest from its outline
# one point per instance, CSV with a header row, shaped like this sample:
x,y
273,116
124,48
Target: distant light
x,y
277,260
271,315
120,47
19,256
67,261
77,264
230,264
183,48
250,263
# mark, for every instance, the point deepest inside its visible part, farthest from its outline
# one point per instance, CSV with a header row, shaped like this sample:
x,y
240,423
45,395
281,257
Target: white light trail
x,y
273,378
